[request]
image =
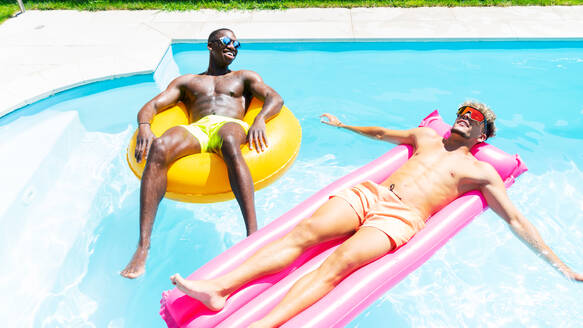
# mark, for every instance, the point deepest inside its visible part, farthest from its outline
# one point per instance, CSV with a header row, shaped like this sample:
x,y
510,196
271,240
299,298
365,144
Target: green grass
x,y
10,7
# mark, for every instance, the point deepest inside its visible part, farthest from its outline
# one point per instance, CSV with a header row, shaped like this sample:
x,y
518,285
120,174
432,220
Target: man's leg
x,y
240,179
362,248
336,218
174,143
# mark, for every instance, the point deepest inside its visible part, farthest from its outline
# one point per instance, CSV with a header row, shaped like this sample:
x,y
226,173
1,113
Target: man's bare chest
x,y
450,169
216,86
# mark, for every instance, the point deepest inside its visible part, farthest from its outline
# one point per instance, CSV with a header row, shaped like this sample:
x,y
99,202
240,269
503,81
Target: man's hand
x,y
574,276
256,136
143,142
332,120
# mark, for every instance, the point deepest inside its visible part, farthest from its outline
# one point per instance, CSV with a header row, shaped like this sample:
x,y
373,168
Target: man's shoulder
x,y
244,71
484,168
423,137
427,133
247,74
187,77
426,130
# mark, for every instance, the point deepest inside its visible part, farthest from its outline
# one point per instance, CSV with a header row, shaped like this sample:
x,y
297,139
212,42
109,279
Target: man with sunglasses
x,y
216,100
381,217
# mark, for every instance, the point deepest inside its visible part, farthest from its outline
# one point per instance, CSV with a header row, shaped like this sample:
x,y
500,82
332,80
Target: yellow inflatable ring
x,y
203,178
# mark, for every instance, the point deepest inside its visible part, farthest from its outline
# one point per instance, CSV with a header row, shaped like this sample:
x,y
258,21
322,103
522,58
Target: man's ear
x,y
482,138
208,45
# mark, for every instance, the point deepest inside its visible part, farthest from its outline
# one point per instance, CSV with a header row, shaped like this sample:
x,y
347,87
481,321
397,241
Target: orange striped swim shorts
x,y
379,207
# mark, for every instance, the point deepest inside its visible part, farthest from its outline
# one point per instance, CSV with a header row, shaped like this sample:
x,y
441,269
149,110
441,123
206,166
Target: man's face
x,y
467,127
221,53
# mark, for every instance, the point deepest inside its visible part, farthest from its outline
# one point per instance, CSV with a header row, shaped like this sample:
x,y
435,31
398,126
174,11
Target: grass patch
x,y
10,7
7,10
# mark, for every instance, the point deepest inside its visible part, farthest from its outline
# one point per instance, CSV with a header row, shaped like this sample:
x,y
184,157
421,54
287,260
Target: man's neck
x,y
458,143
215,70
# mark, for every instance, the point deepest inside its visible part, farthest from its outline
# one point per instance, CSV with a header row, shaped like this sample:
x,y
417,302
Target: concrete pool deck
x,y
44,52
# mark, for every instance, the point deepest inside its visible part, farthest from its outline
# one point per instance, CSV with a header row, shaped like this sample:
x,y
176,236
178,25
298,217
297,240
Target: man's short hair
x,y
490,128
214,34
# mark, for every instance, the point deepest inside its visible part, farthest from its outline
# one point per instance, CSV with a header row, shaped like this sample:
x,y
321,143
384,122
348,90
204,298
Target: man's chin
x,y
460,133
229,59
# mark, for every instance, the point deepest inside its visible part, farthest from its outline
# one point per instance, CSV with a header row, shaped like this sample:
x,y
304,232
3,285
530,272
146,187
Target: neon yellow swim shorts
x,y
206,131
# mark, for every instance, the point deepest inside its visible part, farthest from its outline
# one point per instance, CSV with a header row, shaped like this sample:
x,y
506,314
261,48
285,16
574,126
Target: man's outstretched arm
x,y
164,100
272,104
393,136
497,198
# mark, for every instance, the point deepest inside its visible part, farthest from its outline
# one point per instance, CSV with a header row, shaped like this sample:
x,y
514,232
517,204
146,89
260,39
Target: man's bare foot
x,y
204,291
137,265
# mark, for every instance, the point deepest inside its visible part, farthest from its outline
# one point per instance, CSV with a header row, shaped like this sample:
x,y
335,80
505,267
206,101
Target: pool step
x,y
36,149
167,71
33,149
52,198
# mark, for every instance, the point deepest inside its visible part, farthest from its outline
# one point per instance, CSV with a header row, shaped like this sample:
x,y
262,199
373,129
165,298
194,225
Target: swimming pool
x,y
72,224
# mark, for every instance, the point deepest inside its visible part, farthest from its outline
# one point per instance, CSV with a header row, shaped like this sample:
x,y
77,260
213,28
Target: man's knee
x,y
231,146
158,151
341,263
305,234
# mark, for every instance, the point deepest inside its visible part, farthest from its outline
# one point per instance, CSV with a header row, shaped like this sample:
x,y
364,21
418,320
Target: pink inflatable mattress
x,y
359,289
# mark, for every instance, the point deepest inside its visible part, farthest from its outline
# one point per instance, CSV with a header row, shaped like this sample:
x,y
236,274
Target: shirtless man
x,y
439,171
216,101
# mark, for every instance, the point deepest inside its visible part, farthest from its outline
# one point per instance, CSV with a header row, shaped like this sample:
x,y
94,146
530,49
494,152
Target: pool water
x,y
71,225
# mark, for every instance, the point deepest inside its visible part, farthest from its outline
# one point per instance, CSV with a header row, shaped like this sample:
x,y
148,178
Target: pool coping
x,y
44,55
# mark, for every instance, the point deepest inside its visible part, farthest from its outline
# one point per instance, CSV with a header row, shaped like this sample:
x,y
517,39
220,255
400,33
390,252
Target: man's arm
x,y
495,193
164,100
393,136
272,103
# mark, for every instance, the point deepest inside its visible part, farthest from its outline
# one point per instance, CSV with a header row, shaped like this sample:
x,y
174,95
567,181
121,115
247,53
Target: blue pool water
x,y
73,224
